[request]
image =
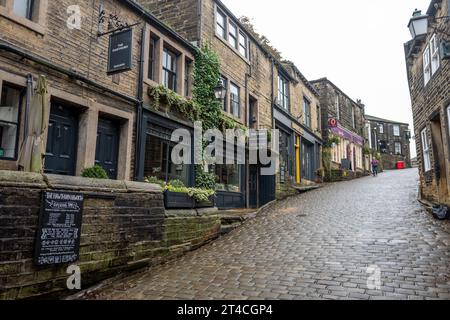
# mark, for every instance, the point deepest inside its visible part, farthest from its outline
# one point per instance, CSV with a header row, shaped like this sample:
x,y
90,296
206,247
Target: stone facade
x,y
430,102
252,68
350,125
124,227
391,139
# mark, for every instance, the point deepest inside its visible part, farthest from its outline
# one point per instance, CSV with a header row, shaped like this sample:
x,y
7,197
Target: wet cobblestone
x,y
316,246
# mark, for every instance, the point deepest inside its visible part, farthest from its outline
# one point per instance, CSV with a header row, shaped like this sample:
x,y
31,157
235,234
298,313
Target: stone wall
x,y
125,227
430,102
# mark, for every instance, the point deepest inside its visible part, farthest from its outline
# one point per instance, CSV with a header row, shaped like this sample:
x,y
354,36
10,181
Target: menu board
x,y
58,237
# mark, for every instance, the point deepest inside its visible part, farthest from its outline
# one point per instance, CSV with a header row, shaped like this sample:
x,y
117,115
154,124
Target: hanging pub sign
x,y
120,51
58,236
332,123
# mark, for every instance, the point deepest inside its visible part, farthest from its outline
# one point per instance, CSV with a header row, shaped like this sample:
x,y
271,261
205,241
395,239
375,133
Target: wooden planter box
x,y
209,204
178,200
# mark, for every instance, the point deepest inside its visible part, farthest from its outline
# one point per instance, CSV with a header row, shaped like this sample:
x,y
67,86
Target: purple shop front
x,y
347,135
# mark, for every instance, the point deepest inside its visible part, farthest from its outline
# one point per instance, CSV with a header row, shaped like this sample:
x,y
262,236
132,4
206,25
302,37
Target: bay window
x,y
11,101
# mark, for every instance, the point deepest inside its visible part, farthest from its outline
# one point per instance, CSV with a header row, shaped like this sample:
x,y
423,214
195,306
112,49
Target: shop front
x,y
157,145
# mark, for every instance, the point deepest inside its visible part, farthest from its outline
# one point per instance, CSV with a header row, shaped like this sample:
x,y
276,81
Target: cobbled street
x,y
327,244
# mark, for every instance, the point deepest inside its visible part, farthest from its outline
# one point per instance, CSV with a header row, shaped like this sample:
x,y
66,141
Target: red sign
x,y
332,123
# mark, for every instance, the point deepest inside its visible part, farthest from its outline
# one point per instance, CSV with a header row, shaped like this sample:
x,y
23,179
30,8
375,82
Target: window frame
x,y
152,61
338,108
225,36
165,70
398,144
394,131
425,150
224,28
29,10
307,112
22,98
38,9
284,93
233,102
426,65
244,47
381,128
435,59
225,100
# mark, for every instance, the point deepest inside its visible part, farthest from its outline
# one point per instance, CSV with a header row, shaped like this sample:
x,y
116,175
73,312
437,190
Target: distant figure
x,y
375,165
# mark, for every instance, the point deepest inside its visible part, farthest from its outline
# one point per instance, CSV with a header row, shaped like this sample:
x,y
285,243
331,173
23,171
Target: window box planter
x,y
178,200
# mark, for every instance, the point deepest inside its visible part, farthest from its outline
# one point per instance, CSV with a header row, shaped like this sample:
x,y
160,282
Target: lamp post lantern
x,y
220,91
418,25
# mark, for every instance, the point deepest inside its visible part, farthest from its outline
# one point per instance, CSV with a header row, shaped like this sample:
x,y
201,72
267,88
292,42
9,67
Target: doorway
x,y
60,157
439,159
307,160
253,186
107,149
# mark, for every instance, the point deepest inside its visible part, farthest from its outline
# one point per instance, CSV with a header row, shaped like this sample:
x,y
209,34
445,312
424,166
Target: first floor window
x,y
426,65
396,131
152,59
11,100
170,69
225,101
235,100
381,127
307,112
425,150
23,8
398,148
434,51
283,92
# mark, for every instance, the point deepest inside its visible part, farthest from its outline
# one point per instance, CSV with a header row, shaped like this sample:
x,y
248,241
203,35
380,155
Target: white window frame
x,y
396,130
426,65
399,151
223,29
425,150
435,57
283,93
381,128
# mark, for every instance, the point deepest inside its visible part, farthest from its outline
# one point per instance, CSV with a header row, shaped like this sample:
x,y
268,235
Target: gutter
x,y
4,46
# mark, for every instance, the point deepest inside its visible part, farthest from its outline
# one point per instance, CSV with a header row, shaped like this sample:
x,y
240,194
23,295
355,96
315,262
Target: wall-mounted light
x,y
418,25
220,91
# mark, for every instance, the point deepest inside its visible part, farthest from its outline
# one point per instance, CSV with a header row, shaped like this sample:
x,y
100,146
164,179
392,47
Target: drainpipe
x,y
273,93
140,104
28,105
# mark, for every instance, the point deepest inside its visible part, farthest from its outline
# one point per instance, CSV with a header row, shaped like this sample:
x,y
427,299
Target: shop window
x,y
228,177
158,162
11,101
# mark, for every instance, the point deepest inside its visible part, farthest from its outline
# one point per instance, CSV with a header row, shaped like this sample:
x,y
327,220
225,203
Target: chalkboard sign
x,y
58,237
120,51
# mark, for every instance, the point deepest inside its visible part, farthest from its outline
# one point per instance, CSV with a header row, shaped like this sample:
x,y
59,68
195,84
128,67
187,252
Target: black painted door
x,y
60,157
107,150
253,186
307,161
266,189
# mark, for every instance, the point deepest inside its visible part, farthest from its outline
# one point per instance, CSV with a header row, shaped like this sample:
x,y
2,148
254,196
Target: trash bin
x,y
401,165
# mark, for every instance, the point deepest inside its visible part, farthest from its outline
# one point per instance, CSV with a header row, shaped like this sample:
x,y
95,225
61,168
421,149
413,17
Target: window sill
x,y
33,26
246,60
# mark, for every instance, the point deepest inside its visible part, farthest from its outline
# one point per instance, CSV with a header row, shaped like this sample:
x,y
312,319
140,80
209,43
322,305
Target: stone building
x,y
343,118
262,93
94,115
391,139
428,69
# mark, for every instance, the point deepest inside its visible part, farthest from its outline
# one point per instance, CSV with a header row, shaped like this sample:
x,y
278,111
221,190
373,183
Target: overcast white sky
x,y
357,44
